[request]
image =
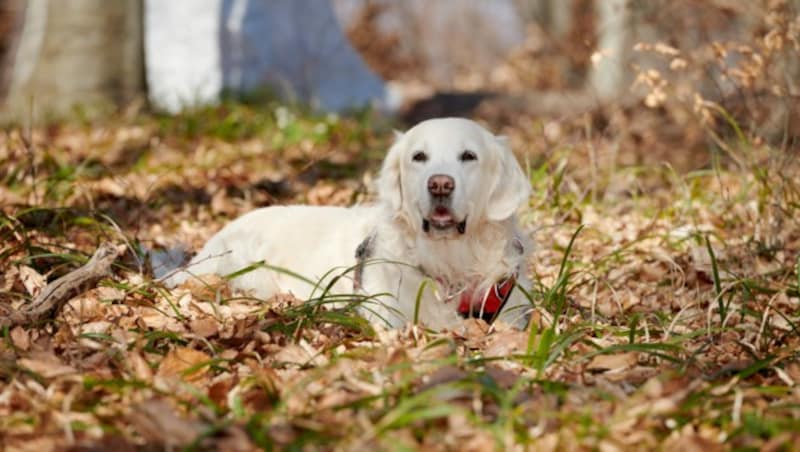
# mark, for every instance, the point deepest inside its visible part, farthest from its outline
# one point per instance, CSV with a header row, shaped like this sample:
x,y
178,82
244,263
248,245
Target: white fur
x,y
312,241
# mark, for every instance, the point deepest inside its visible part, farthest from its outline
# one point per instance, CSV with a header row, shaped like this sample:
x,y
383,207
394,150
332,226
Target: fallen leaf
x,y
110,187
301,353
40,444
157,421
8,278
140,367
47,365
691,443
204,327
31,280
219,390
207,287
505,343
20,338
613,363
155,320
180,360
236,440
109,293
222,204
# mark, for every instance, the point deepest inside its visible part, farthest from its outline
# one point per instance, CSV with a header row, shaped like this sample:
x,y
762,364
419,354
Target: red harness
x,y
490,304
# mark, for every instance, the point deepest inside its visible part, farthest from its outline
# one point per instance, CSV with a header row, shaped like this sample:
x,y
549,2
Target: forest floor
x,y
665,307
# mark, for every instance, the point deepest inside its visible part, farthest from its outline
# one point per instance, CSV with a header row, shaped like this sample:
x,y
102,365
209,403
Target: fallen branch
x,y
53,297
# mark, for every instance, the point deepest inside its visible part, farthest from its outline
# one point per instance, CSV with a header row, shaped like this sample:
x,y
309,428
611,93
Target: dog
x,y
441,243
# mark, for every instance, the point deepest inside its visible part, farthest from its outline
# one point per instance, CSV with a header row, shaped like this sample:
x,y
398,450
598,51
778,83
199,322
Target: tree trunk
x,y
68,54
608,77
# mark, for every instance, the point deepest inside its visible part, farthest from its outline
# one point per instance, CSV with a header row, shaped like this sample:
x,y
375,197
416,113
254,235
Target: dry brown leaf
x,y
8,278
505,343
99,327
207,287
473,329
633,375
26,444
335,397
653,272
109,293
180,360
235,441
691,443
479,441
86,307
31,280
109,186
301,353
153,319
321,194
793,369
630,300
442,375
8,197
613,363
504,378
139,366
609,446
205,327
20,338
157,421
47,365
219,390
264,374
221,204
240,328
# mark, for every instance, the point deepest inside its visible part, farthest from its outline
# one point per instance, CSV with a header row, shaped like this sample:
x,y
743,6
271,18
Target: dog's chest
x,y
460,264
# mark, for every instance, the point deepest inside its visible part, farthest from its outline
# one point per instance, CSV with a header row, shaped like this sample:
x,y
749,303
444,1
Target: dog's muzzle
x,y
461,227
441,217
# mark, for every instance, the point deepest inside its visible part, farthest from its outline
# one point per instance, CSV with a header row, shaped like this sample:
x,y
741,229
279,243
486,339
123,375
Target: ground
x,y
665,307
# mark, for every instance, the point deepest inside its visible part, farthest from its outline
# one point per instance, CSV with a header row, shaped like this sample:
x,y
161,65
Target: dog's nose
x,y
441,185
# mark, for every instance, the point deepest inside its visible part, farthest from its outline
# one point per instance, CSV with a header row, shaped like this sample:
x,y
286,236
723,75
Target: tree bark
x,y
85,53
608,76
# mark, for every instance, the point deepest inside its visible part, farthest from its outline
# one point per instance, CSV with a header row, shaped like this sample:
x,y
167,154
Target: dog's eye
x,y
468,156
419,156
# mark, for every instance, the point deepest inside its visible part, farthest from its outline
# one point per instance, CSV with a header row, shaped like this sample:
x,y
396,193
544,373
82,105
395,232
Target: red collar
x,y
488,305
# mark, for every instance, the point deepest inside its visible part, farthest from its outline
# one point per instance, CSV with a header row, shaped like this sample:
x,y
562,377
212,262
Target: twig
x,y
53,297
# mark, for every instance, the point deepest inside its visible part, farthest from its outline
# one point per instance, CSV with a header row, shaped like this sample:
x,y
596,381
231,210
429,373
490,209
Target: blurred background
x,y
653,74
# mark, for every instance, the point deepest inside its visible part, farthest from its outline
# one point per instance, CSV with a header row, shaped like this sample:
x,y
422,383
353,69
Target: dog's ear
x,y
390,185
511,187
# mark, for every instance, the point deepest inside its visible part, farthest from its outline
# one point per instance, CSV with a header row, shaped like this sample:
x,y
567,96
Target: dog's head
x,y
448,175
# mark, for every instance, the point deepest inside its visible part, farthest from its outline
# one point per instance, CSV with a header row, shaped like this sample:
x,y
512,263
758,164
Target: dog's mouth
x,y
442,219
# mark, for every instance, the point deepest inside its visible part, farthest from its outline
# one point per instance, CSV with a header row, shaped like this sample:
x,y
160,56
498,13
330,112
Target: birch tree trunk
x,y
76,53
608,76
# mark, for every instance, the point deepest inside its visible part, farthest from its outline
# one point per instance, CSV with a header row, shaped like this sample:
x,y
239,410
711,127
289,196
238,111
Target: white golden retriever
x,y
442,243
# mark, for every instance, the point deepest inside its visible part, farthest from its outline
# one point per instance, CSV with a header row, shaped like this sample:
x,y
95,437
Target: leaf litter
x,y
665,324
